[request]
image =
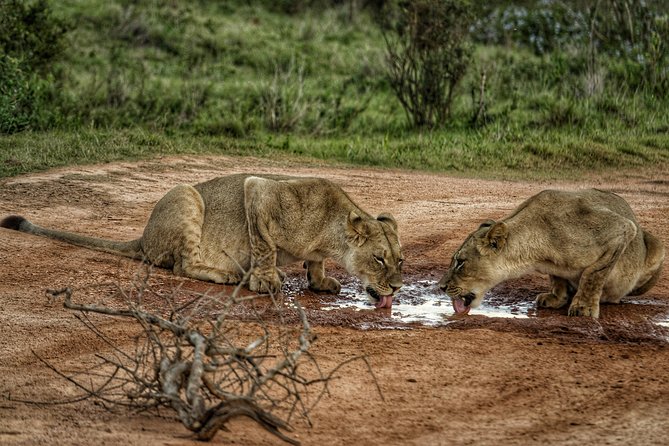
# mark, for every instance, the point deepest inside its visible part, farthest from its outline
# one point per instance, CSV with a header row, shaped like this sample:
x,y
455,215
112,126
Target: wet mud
x,y
509,307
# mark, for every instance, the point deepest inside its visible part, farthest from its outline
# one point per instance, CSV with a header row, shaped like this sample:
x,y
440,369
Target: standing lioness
x,y
589,242
218,229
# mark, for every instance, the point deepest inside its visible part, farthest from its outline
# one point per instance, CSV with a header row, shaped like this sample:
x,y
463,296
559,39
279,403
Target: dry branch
x,y
202,369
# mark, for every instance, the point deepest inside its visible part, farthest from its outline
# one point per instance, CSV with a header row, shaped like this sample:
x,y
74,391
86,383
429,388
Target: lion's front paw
x,y
578,309
267,282
550,300
227,278
328,285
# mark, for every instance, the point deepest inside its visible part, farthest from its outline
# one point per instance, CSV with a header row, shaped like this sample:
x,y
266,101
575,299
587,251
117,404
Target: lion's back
x,y
554,203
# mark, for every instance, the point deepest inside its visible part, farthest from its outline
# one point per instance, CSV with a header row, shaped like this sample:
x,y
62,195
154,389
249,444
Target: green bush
x,y
16,93
31,33
645,66
428,54
543,26
632,36
31,39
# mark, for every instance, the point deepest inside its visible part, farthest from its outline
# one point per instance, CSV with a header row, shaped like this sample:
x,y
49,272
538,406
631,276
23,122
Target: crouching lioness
x,y
219,229
588,242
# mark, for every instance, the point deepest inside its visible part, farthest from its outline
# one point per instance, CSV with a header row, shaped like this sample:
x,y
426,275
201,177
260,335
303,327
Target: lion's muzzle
x,y
461,301
379,300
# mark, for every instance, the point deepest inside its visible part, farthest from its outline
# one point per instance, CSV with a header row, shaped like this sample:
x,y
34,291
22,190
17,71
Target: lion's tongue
x,y
459,306
385,302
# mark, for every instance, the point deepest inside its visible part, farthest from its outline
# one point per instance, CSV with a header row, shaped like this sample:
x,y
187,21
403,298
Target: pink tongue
x,y
459,306
385,302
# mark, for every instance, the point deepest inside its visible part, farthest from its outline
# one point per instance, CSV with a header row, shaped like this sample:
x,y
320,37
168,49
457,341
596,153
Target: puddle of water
x,y
662,319
422,302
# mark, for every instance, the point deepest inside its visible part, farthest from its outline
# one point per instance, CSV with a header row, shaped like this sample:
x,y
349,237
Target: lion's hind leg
x,y
591,285
652,265
559,296
192,266
174,232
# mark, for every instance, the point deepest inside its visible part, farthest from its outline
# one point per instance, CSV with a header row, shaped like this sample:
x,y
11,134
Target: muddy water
x,y
422,302
660,316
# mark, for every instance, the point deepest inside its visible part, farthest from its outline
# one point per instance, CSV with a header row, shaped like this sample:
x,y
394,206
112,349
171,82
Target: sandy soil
x,y
544,379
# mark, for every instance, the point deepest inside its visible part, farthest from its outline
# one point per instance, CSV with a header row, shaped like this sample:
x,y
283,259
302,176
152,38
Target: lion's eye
x,y
379,260
400,261
459,264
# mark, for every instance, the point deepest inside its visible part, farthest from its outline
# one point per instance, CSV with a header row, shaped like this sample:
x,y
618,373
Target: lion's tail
x,y
132,249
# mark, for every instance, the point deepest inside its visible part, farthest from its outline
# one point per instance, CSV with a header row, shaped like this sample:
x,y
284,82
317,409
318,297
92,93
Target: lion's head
x,y
476,266
375,256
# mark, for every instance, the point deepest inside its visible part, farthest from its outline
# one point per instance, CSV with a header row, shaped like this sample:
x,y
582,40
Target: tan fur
x,y
588,242
219,229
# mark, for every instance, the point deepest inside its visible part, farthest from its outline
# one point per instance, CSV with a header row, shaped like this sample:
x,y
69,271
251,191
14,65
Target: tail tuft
x,y
12,222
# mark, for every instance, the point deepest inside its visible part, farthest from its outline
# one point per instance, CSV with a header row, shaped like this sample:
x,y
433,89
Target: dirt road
x,y
534,379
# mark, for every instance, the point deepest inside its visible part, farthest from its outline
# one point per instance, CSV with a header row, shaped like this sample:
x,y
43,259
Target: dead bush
x,y
206,369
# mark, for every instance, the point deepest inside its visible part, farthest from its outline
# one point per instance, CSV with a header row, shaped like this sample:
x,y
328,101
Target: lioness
x,y
221,228
588,242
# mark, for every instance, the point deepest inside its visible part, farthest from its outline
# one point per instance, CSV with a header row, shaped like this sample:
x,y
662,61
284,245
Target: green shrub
x,y
283,101
632,35
428,54
543,26
31,39
16,93
31,33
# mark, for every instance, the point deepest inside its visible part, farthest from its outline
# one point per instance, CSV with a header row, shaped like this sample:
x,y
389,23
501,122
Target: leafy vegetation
x,y
549,87
427,56
30,39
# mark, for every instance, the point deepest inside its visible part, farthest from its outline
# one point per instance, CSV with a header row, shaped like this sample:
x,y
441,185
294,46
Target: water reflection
x,y
422,302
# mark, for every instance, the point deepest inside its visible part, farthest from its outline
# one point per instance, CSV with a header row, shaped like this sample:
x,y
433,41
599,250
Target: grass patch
x,y
533,155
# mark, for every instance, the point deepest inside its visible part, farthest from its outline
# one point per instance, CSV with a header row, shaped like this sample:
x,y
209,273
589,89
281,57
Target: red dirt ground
x,y
547,379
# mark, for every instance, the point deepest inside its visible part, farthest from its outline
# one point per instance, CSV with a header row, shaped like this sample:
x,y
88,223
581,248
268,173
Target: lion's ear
x,y
496,236
387,218
357,229
487,224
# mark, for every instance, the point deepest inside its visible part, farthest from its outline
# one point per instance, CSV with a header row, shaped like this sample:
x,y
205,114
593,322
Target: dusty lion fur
x,y
219,229
588,242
